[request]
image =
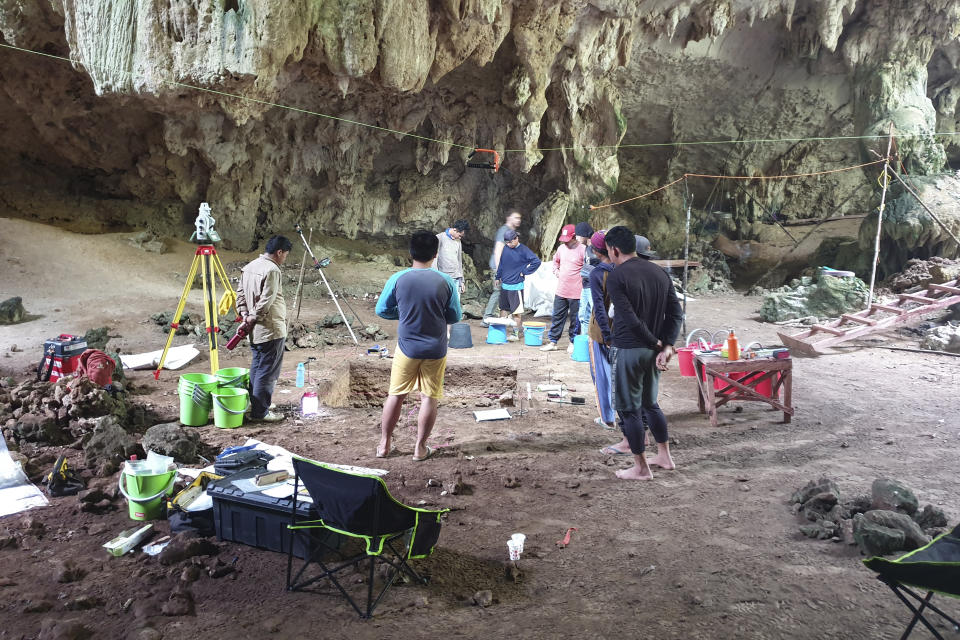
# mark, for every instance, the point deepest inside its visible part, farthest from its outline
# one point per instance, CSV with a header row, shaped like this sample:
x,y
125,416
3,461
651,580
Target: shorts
x,y
511,300
411,374
635,379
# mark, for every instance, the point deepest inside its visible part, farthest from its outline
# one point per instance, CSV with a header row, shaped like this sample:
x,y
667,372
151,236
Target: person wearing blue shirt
x,y
424,301
516,262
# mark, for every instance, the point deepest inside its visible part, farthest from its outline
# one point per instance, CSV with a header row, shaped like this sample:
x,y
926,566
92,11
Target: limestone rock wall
x,y
169,103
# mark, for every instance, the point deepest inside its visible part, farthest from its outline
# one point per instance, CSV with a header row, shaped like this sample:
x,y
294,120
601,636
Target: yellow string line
x,y
704,175
649,193
471,148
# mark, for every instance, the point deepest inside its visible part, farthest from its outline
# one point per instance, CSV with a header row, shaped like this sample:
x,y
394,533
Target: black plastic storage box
x,y
253,518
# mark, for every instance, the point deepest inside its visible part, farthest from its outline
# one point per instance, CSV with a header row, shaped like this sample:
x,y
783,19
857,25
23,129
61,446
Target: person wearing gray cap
x,y
643,248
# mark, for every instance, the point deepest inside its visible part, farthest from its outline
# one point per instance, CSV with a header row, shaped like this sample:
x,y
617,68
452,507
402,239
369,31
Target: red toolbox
x,y
61,356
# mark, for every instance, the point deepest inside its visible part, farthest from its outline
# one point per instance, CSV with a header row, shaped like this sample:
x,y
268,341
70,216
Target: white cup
x,y
514,549
518,538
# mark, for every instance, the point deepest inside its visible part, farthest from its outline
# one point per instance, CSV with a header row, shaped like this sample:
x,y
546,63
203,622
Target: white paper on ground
x,y
20,498
492,414
177,358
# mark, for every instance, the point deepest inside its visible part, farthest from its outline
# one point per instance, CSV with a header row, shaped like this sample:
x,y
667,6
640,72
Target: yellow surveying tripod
x,y
211,269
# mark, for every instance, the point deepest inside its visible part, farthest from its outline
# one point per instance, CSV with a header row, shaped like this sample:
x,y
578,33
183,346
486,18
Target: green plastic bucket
x,y
229,404
195,402
234,377
145,493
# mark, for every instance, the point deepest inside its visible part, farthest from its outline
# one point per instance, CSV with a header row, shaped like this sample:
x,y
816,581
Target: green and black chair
x,y
357,508
934,568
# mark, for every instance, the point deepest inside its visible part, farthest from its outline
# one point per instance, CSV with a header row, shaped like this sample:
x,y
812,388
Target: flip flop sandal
x,y
430,452
610,450
394,451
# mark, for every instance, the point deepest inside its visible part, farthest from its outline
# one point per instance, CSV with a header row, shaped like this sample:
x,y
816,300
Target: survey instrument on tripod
x,y
319,265
207,262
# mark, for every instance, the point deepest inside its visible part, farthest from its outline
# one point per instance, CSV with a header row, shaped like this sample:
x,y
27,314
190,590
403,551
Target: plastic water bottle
x,y
301,371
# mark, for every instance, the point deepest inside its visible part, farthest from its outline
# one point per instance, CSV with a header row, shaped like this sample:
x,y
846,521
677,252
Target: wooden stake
x,y
883,200
303,266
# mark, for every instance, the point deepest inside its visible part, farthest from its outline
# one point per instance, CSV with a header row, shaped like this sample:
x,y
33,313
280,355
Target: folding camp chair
x,y
934,568
360,507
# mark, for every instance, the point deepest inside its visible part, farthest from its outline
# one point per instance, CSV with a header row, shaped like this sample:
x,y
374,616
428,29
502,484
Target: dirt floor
x,y
710,550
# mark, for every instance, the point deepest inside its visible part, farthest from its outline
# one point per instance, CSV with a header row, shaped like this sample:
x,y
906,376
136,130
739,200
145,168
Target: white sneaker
x,y
550,346
269,417
570,348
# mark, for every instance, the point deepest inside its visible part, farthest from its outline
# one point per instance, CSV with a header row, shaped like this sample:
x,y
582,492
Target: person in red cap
x,y
567,262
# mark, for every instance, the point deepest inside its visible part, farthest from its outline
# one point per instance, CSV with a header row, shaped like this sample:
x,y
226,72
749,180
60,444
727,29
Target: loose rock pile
x,y
920,273
191,325
886,521
945,338
829,297
713,275
72,411
330,331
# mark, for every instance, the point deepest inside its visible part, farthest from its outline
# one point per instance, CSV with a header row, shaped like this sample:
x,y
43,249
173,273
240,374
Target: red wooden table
x,y
752,373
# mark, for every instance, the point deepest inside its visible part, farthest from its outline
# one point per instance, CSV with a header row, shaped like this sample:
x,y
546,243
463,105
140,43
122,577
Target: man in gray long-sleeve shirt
x,y
647,323
450,252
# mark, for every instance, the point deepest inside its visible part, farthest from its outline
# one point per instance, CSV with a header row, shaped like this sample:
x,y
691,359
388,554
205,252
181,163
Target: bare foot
x,y
634,473
662,460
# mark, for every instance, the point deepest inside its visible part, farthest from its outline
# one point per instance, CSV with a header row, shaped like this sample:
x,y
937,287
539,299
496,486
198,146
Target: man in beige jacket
x,y
260,302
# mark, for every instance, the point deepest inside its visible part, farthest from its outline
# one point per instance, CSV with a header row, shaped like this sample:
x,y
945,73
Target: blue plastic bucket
x,y
533,333
460,337
581,349
496,334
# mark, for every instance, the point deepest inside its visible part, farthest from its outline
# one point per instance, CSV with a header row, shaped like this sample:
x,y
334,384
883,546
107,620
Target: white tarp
x,y
539,289
16,491
177,358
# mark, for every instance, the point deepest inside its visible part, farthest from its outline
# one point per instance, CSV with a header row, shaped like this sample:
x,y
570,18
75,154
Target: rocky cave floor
x,y
711,550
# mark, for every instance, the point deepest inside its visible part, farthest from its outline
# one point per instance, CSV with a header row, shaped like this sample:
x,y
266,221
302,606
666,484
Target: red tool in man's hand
x,y
241,333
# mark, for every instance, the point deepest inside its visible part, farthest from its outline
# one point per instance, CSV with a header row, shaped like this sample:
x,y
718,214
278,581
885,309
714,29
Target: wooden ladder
x,y
877,317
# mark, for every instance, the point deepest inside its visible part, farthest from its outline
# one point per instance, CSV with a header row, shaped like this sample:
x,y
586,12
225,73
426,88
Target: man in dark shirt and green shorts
x,y
648,318
425,301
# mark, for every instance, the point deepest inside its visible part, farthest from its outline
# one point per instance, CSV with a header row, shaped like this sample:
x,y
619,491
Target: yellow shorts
x,y
409,374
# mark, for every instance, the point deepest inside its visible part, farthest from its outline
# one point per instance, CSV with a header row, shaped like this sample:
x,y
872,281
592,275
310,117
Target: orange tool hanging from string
x,y
495,165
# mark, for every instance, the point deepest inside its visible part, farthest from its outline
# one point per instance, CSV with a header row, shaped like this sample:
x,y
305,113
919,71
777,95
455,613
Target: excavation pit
x,y
365,384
